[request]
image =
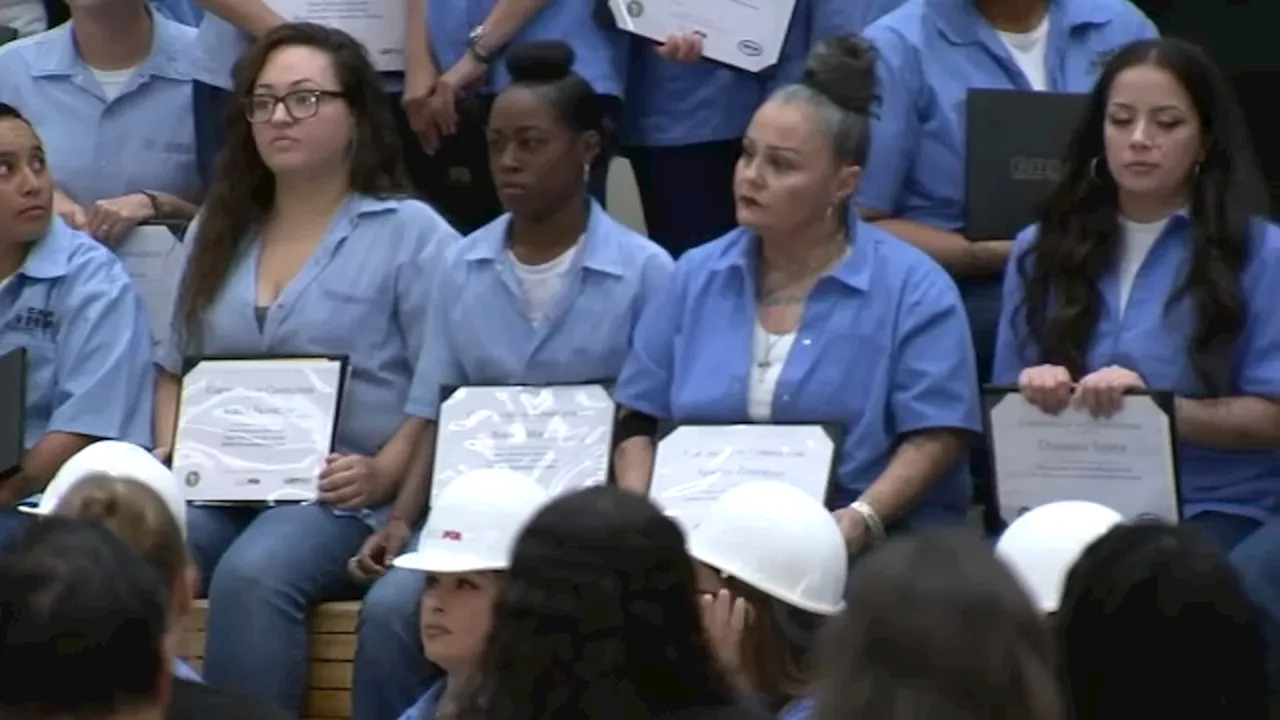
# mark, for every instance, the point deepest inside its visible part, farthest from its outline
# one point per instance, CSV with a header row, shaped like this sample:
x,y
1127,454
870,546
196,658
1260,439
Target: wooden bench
x,y
333,648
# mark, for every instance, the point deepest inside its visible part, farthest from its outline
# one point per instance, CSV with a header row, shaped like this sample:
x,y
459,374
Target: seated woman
x,y
67,302
110,92
805,314
771,567
485,510
308,246
597,618
1155,623
1152,268
549,293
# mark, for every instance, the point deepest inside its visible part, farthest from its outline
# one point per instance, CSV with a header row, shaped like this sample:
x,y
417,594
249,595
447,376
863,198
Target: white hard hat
x,y
474,523
120,460
1041,546
780,541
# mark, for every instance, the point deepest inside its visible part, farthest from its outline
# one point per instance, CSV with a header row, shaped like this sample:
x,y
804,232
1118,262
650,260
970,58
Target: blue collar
x,y
960,22
51,257
599,252
855,271
56,53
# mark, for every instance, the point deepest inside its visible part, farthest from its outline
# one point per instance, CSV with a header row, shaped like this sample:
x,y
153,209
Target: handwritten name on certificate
x,y
378,24
747,34
696,464
561,436
1125,462
256,430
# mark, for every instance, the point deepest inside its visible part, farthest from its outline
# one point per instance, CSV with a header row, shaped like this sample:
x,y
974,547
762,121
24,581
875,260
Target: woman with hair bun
x,y
549,293
771,322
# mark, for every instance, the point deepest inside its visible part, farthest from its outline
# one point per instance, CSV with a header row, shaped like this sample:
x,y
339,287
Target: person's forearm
x,y
633,464
396,457
959,255
417,41
506,20
1231,423
165,411
411,500
916,465
42,462
252,16
172,207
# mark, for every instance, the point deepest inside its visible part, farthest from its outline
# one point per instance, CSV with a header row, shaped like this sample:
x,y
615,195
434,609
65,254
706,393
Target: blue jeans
x,y
264,571
391,670
210,104
1257,559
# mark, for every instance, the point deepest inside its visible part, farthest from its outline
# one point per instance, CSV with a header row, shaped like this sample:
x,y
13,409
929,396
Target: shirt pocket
x,y
353,319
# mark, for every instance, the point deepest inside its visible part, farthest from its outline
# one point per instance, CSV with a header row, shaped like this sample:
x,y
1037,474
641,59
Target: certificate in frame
x,y
696,463
257,429
560,435
1128,462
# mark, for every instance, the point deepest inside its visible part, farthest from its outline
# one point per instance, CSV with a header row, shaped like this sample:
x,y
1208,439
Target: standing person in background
x,y
932,52
69,303
685,117
309,246
455,68
549,293
110,93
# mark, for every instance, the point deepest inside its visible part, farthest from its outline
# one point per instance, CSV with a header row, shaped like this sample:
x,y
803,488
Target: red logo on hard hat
x,y
451,535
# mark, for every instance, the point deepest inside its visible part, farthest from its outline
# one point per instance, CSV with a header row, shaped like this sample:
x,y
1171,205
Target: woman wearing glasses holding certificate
x,y
1152,268
804,314
307,247
547,294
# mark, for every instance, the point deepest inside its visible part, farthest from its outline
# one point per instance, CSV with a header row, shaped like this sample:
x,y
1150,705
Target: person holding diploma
x,y
932,52
1151,267
308,246
455,67
805,314
685,116
69,303
547,294
111,94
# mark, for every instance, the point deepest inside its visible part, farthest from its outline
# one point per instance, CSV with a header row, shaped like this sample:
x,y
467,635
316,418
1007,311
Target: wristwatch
x,y
477,48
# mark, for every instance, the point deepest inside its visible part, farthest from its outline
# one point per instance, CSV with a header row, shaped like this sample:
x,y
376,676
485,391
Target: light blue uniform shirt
x,y
425,708
883,348
480,333
74,309
98,149
932,52
186,12
1146,339
363,294
600,51
184,671
801,708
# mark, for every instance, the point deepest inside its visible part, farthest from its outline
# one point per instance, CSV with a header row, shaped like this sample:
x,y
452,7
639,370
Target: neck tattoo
x,y
790,285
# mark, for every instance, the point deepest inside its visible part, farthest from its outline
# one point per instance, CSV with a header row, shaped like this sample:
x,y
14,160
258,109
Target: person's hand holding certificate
x,y
746,34
260,430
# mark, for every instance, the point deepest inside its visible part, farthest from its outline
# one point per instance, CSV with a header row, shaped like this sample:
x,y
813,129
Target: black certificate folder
x,y
1015,143
13,410
1128,462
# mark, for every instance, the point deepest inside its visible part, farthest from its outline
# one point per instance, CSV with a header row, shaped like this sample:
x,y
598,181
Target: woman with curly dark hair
x,y
308,245
1151,267
598,618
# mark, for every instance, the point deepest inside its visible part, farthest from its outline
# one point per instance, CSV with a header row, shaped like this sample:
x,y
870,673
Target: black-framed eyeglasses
x,y
298,104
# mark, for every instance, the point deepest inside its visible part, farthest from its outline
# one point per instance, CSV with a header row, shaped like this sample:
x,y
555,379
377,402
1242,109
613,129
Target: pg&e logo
x,y
34,320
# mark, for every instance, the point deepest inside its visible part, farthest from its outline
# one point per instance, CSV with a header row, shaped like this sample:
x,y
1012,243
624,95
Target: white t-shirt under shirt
x,y
541,284
1136,241
768,354
25,16
1028,51
112,81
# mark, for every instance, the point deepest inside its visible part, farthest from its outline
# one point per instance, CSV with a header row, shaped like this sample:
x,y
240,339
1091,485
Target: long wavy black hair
x,y
597,618
1080,230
